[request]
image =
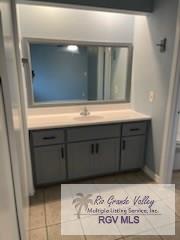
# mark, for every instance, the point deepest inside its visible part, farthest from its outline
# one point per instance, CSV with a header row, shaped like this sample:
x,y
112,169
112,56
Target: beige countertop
x,y
44,121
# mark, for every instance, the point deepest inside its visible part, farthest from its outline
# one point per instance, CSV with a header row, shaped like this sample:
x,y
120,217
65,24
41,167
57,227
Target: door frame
x,y
11,137
171,119
9,160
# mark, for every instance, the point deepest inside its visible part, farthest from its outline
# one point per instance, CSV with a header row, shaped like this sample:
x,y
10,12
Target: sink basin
x,y
88,118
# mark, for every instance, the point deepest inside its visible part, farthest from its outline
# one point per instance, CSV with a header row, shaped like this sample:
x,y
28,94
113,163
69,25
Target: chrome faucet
x,y
85,112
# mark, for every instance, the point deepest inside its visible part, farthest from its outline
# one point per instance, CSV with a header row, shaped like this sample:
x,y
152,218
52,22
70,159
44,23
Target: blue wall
x,y
59,75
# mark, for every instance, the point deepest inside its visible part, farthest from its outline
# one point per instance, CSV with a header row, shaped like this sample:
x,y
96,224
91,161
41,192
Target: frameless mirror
x,y
78,73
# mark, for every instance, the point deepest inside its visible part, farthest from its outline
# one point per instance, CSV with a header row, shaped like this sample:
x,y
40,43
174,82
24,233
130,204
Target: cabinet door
x,y
106,158
80,159
132,152
49,164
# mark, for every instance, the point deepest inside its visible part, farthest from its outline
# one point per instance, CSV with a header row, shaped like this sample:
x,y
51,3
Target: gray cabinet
x,y
93,158
106,156
133,146
72,153
49,164
93,150
80,159
87,133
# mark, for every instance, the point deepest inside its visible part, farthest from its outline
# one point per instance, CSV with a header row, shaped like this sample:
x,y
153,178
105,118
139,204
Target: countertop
x,y
45,121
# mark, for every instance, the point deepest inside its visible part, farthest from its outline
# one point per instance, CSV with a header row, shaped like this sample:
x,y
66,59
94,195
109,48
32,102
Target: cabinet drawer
x,y
132,129
47,137
93,132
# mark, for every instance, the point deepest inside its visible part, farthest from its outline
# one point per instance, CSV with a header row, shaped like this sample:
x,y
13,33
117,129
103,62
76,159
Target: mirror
x,y
62,73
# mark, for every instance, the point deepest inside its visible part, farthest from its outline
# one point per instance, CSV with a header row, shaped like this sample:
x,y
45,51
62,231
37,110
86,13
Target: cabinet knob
x,y
97,148
92,148
62,152
124,145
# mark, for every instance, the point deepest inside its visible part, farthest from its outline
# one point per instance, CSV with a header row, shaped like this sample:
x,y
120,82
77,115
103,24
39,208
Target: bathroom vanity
x,y
85,148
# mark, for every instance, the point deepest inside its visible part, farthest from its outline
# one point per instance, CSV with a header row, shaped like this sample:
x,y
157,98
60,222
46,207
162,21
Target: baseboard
x,y
152,174
31,192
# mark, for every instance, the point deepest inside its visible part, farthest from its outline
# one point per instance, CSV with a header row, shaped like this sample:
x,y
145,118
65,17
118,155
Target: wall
x,y
13,109
8,218
59,74
152,69
63,23
68,24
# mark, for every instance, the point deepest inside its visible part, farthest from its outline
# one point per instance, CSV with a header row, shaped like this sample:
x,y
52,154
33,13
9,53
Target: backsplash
x,y
77,108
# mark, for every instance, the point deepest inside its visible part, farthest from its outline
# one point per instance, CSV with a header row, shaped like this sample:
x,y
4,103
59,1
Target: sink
x,y
88,118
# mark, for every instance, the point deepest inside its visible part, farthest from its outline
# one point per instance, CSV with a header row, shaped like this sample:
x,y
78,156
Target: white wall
x,y
13,108
152,69
8,218
65,23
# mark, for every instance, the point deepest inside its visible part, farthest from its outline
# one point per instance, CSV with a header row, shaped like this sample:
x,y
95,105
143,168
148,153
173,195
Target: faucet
x,y
85,112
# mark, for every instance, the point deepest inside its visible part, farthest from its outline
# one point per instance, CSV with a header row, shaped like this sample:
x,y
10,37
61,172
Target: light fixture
x,y
72,48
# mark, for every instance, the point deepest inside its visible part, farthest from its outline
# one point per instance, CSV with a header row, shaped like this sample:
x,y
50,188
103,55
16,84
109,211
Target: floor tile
x,y
90,228
177,236
45,207
143,238
73,228
177,190
84,181
54,233
144,179
105,180
38,198
53,205
72,238
37,211
177,218
38,234
52,193
128,178
53,213
176,177
178,206
104,237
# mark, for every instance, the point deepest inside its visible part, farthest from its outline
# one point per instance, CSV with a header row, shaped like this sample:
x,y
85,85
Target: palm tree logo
x,y
82,201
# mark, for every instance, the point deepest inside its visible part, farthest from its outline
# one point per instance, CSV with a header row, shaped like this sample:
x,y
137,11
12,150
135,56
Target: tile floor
x,y
45,210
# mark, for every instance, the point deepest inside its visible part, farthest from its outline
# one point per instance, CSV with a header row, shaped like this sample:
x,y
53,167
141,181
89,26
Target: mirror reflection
x,y
77,73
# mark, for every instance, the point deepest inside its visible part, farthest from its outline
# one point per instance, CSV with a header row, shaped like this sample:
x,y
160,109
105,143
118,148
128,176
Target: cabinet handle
x,y
97,148
134,129
49,138
124,145
92,148
62,152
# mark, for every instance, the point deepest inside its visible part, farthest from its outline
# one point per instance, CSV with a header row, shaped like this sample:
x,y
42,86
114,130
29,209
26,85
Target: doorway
x,y
172,113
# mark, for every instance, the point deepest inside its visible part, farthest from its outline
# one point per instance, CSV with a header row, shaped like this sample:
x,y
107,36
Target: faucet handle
x,y
85,112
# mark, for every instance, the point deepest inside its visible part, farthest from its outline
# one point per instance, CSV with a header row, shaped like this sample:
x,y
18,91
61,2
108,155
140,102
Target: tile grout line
x,y
85,237
45,217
